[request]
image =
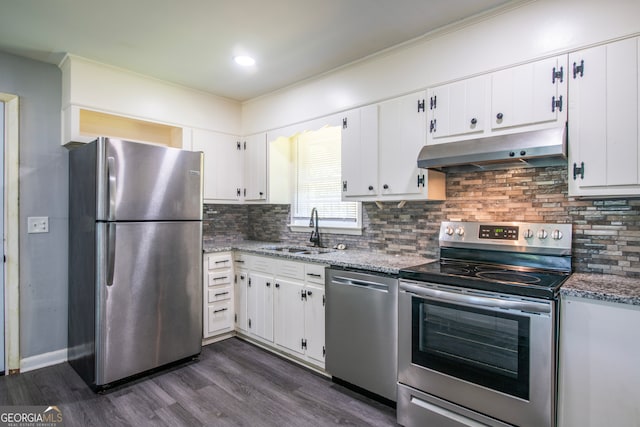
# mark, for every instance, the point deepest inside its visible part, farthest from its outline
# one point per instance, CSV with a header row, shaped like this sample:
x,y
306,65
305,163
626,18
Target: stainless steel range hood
x,y
538,148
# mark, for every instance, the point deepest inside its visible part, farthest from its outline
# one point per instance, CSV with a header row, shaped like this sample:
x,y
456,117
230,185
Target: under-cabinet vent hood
x,y
538,148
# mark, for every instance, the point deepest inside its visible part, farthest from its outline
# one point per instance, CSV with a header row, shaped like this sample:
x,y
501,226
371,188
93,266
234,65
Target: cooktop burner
x,y
489,277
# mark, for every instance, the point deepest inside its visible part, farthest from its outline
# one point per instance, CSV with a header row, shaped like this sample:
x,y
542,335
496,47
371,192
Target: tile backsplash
x,y
606,233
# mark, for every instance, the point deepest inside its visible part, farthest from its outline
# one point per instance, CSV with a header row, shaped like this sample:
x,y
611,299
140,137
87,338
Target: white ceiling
x,y
192,42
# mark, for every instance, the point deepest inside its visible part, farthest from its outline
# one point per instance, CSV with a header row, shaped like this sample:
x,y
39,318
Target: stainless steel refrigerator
x,y
135,259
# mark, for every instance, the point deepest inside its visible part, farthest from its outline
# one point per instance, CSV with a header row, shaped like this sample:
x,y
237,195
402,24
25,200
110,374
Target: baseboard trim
x,y
43,360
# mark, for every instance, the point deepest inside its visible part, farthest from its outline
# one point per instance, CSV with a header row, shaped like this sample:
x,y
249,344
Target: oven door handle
x,y
481,301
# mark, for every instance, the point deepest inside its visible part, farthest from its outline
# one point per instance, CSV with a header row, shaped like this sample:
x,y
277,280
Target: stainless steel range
x,y
478,330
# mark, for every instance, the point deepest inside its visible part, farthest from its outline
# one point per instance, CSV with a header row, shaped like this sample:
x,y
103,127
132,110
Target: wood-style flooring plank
x,y
233,383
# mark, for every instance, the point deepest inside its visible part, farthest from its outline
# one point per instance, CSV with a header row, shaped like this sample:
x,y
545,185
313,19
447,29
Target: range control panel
x,y
509,236
503,232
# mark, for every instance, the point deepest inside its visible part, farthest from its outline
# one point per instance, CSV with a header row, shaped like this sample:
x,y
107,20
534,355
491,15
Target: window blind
x,y
319,178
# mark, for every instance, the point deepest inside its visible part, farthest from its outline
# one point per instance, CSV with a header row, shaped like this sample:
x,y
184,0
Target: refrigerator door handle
x,y
111,253
111,187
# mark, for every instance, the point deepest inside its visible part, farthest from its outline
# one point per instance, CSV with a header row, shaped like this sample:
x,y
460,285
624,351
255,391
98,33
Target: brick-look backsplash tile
x,y
606,233
224,223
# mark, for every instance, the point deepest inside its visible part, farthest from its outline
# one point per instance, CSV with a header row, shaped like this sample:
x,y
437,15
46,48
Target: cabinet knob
x,y
474,121
309,293
499,116
386,187
370,187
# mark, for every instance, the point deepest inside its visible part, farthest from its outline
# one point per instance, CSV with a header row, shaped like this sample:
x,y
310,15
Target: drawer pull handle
x,y
219,310
221,293
314,275
220,278
240,261
221,262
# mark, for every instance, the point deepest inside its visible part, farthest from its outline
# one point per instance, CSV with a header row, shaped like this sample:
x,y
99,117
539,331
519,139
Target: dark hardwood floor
x,y
232,384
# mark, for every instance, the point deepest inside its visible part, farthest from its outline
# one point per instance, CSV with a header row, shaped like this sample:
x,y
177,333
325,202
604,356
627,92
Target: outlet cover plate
x,y
38,224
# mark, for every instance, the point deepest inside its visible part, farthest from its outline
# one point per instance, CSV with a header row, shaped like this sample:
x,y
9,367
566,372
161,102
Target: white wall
x,y
519,33
93,85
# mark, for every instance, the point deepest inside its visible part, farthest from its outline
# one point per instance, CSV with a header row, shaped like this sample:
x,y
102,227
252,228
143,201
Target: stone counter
x,y
603,287
349,258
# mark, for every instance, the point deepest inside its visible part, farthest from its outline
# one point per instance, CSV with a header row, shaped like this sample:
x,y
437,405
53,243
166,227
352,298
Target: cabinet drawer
x,y
291,269
220,316
241,260
218,262
218,293
219,278
262,264
314,273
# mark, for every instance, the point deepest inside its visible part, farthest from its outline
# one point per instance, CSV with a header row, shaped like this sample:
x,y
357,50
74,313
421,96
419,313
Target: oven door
x,y
490,353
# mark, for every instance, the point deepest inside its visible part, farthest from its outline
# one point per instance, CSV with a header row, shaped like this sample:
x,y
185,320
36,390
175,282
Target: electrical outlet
x,y
38,224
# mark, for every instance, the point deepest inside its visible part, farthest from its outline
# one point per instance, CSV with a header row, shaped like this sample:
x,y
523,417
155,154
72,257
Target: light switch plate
x,y
38,224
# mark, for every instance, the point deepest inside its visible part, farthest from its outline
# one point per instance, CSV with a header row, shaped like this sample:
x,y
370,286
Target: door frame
x,y
11,233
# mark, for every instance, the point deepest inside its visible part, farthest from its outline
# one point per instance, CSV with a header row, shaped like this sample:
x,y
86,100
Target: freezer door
x,y
145,182
148,296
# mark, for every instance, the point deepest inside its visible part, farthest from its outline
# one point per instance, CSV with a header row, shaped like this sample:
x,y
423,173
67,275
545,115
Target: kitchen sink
x,y
301,250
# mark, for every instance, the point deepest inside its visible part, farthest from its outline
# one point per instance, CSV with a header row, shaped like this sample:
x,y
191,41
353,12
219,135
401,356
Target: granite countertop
x,y
349,258
603,287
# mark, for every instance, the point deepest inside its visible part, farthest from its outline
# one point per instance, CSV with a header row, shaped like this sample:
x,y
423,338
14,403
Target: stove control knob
x,y
448,231
542,234
460,231
556,235
528,234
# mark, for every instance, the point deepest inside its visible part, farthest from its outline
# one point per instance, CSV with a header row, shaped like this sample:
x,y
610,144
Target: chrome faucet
x,y
315,234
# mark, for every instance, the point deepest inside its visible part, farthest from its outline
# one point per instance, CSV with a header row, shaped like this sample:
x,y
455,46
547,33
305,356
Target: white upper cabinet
x,y
223,165
380,147
402,134
235,169
458,108
530,94
603,120
360,152
254,148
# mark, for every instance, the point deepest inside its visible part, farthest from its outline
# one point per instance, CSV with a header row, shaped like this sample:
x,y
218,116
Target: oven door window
x,y
488,348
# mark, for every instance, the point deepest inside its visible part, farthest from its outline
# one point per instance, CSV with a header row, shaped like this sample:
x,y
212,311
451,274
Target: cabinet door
x,y
604,117
598,370
222,165
526,94
457,109
289,315
402,133
314,322
241,300
255,167
261,305
359,150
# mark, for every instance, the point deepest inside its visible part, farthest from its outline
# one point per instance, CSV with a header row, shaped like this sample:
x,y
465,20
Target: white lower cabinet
x,y
280,304
314,322
289,315
218,290
260,305
599,377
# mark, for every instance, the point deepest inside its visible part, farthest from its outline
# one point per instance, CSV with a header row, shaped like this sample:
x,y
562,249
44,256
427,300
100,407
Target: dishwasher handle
x,y
349,281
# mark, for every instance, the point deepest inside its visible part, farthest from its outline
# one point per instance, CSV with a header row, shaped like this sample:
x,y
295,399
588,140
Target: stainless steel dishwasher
x,y
361,330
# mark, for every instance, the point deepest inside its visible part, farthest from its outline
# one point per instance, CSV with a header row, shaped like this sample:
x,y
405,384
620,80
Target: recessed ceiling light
x,y
245,61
